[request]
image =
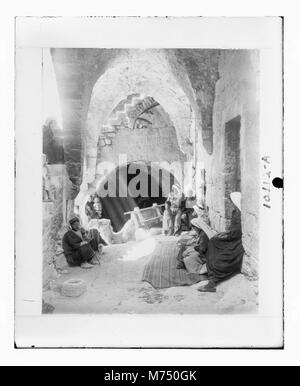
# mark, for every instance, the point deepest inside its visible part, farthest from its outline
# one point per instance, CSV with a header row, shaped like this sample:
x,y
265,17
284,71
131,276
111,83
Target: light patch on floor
x,y
141,249
116,287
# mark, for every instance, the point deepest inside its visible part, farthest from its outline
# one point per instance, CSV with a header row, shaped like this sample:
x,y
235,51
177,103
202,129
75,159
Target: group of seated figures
x,y
217,258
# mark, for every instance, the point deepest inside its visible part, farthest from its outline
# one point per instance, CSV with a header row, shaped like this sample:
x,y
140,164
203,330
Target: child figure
x,y
167,220
46,181
97,206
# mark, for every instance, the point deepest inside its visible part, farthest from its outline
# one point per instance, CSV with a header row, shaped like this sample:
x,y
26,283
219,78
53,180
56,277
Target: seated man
x,y
192,255
79,249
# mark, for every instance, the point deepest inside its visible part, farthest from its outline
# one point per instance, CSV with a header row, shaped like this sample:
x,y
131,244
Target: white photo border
x,y
262,330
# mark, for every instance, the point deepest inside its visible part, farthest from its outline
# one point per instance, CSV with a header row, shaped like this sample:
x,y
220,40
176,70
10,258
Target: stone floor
x,y
116,287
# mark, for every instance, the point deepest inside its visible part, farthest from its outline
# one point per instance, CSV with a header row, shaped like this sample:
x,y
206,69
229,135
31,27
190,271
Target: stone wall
x,y
95,80
77,70
201,91
55,215
156,142
236,95
53,142
201,67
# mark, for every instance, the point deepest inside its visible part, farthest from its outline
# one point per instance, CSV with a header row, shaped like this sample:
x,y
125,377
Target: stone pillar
x,y
54,219
74,91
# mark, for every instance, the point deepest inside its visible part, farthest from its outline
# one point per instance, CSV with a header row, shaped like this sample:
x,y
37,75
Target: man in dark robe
x,y
225,251
79,248
187,209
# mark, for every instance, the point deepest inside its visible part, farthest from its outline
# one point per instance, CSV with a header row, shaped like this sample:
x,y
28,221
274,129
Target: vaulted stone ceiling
x,y
202,69
92,82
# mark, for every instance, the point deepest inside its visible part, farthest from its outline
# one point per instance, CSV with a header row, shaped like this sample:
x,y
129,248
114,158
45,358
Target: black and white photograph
x,y
149,181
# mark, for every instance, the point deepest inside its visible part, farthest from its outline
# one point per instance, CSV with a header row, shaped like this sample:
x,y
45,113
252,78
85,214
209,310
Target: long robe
x,y
225,252
75,253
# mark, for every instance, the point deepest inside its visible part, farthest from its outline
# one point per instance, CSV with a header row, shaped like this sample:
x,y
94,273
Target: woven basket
x,y
73,287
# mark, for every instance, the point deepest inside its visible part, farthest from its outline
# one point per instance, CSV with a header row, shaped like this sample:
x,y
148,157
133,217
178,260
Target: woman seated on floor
x,y
193,247
82,248
225,251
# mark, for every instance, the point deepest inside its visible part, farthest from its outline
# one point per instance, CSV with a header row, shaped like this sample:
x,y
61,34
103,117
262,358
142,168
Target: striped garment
x,y
161,270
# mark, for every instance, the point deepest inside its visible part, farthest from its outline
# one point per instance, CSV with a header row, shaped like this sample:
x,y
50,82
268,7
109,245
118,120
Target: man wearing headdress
x,y
81,249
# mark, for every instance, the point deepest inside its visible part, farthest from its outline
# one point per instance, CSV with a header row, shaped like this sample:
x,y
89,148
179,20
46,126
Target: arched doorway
x,y
136,73
135,184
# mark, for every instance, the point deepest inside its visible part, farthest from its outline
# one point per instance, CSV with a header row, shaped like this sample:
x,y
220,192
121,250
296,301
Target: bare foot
x,y
95,261
86,266
203,270
210,287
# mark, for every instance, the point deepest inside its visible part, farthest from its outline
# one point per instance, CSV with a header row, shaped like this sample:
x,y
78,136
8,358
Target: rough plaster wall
x,y
52,221
201,68
181,80
147,144
146,73
237,93
157,143
54,217
141,72
76,71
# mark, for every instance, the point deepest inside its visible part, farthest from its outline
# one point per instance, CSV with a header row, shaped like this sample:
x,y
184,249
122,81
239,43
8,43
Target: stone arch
x,y
145,73
163,177
133,122
103,155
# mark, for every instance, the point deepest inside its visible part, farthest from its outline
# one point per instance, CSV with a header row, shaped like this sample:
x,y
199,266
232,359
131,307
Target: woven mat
x,y
161,270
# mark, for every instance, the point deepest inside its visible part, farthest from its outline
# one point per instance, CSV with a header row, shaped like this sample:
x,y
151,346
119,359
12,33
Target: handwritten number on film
x,y
266,182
